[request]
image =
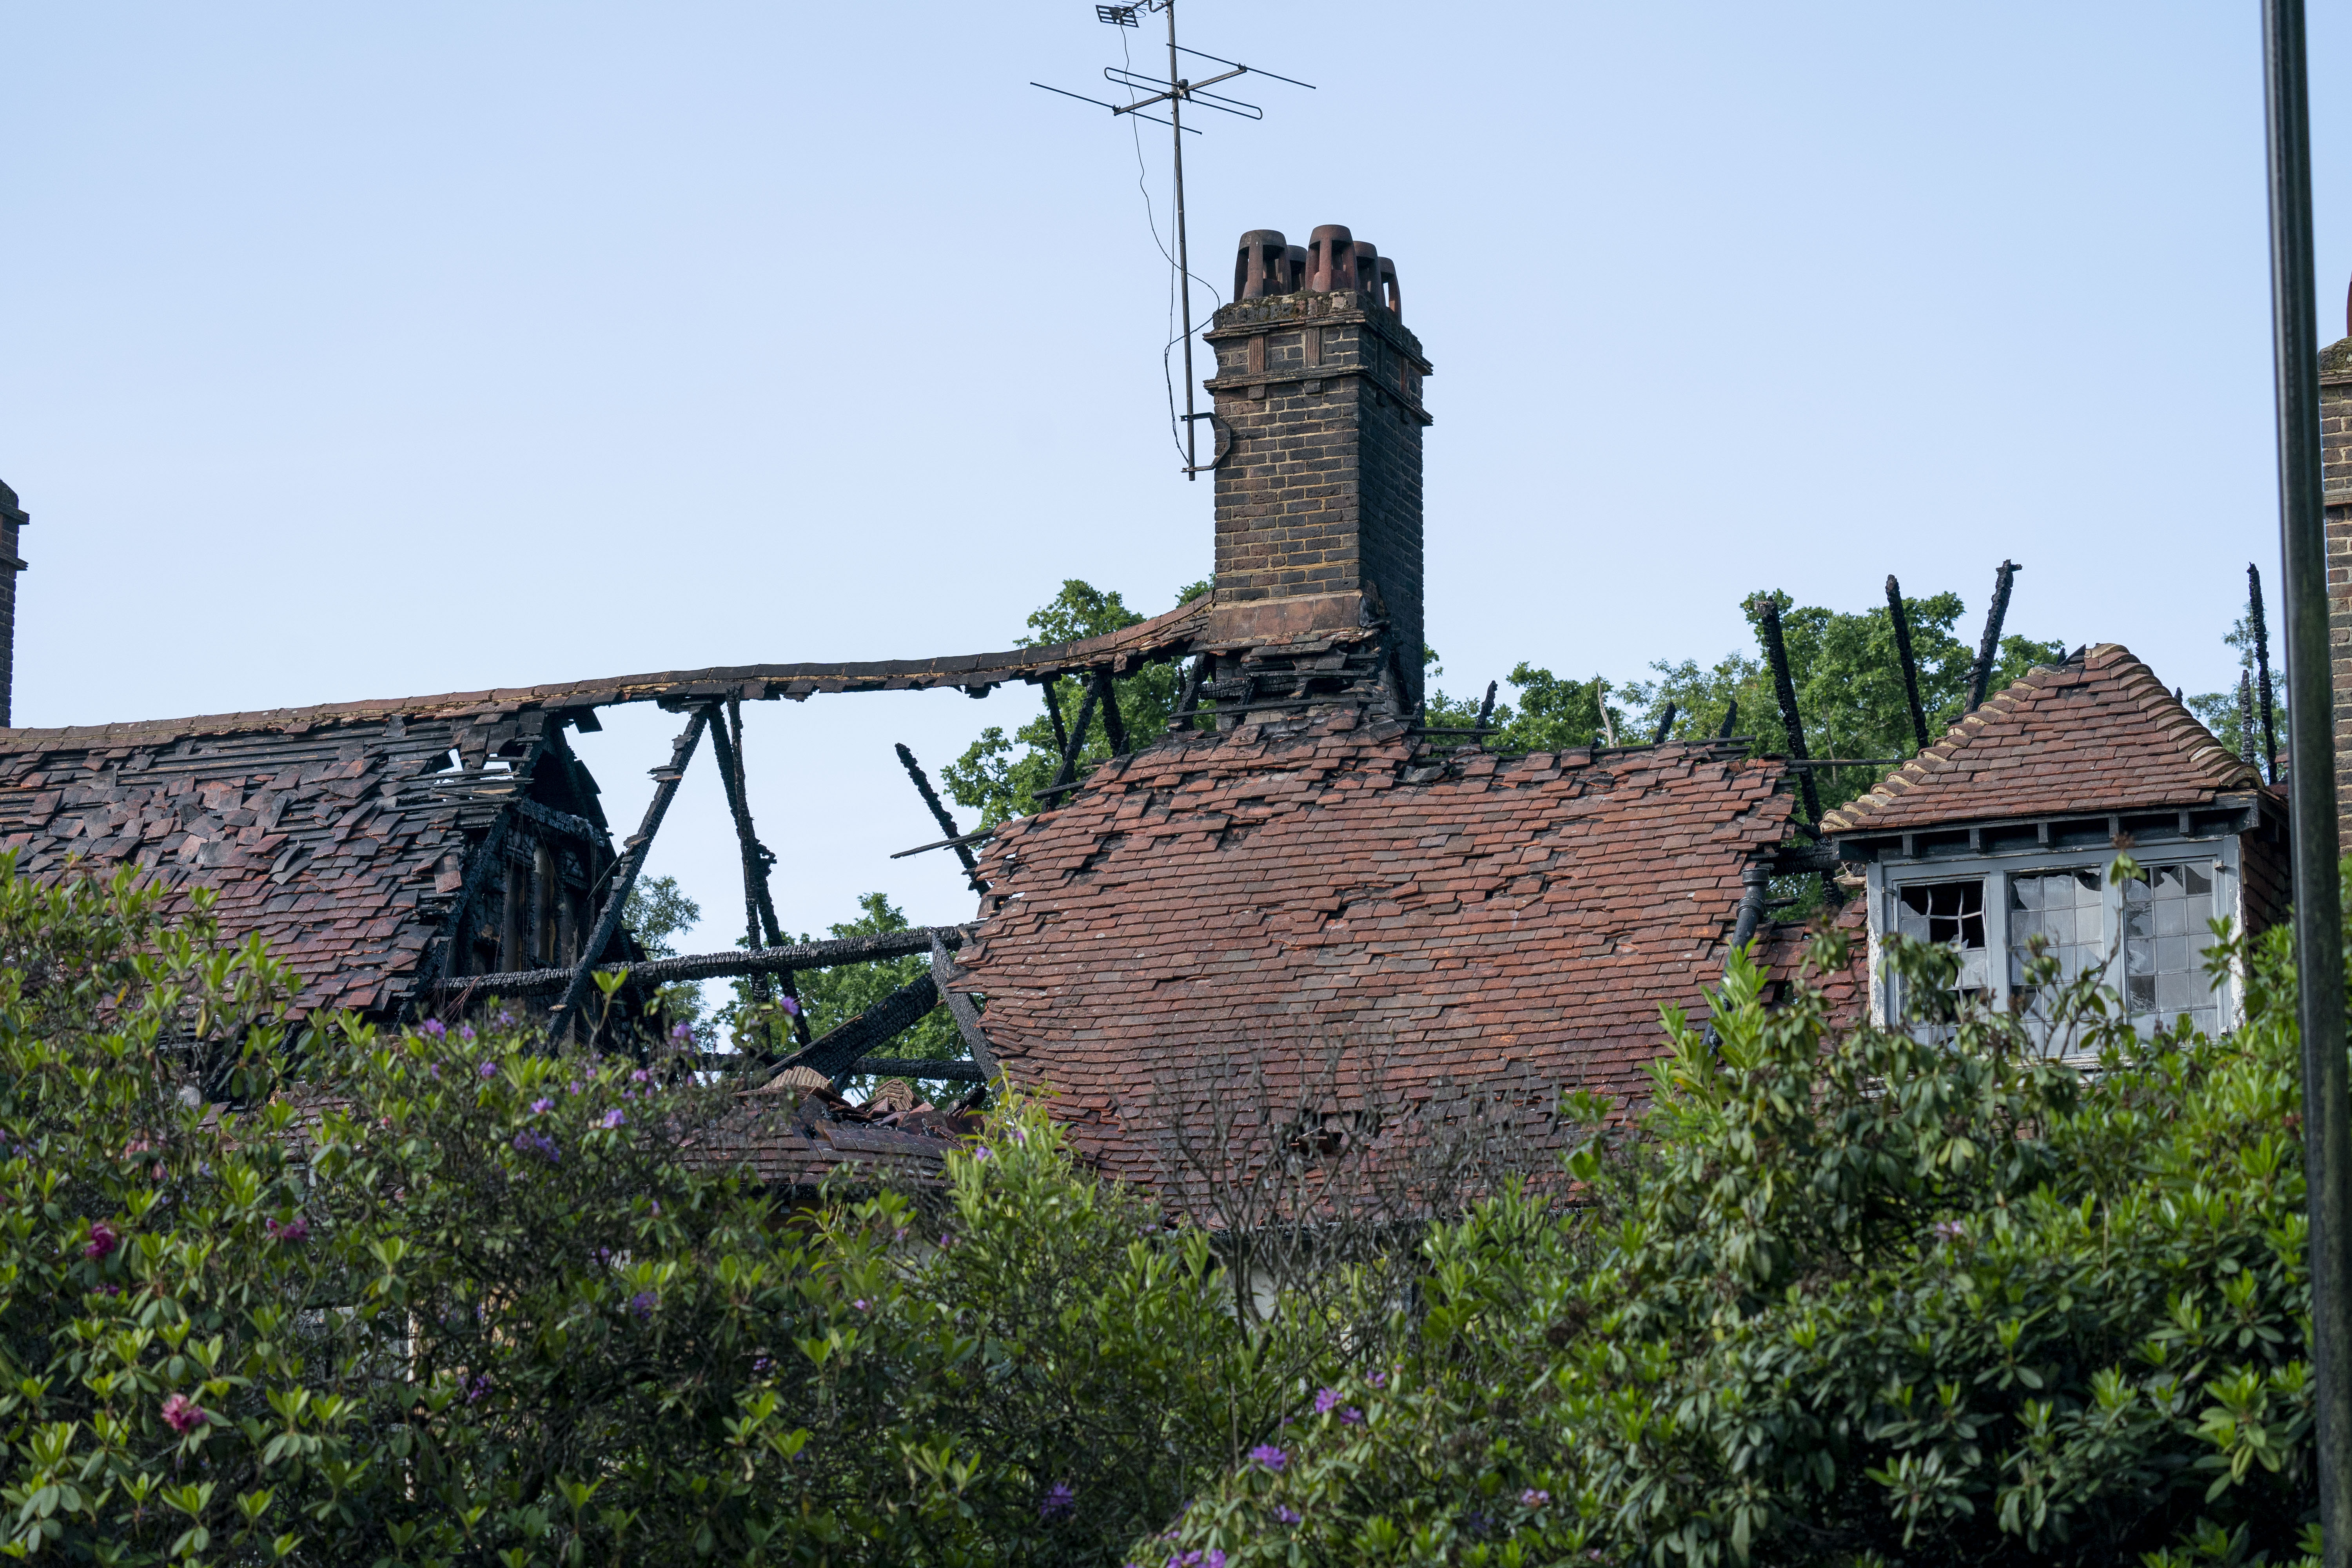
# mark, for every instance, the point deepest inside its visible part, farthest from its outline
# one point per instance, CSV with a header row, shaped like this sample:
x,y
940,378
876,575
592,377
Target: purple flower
x,y
791,1004
682,1033
476,1387
641,1076
504,1016
863,1305
642,1304
1272,1457
1326,1401
761,1366
613,1118
182,1414
947,1238
1349,1416
1378,1380
1016,1134
1950,1229
980,1153
101,1240
577,1086
1285,1513
1058,1499
1532,1497
538,1143
109,1290
542,1107
433,1026
490,1069
294,1230
465,1031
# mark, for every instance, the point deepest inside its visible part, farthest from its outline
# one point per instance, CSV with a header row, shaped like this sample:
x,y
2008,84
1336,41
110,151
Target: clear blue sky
x,y
354,352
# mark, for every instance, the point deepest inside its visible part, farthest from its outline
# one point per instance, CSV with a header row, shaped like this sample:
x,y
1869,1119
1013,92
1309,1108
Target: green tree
x,y
1843,664
656,912
1853,1296
999,775
2219,710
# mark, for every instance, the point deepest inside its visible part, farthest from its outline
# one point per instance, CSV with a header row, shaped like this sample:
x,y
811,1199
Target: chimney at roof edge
x,y
1318,493
11,518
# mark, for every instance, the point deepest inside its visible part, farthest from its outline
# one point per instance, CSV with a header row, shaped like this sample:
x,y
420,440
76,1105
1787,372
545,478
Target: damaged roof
x,y
1163,637
2098,733
1248,891
343,847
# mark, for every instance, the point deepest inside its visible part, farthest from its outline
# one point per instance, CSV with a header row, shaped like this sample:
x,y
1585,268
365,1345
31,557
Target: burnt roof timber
x,y
1166,636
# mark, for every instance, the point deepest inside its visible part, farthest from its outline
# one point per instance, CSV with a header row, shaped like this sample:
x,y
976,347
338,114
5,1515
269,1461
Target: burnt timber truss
x,y
474,834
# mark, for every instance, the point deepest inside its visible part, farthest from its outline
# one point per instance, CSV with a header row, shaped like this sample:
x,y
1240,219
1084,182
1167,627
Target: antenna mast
x,y
1175,93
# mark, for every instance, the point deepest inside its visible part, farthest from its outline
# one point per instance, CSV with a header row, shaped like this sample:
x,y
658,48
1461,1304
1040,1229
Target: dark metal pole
x,y
1988,650
1902,619
2310,767
2261,627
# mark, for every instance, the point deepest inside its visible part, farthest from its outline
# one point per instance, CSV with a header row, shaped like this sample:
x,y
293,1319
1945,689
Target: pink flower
x,y
863,1305
183,1415
641,1076
1532,1497
101,1240
293,1230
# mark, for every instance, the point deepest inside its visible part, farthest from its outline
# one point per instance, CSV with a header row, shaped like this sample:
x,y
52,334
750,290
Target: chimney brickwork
x,y
1318,404
2335,464
12,519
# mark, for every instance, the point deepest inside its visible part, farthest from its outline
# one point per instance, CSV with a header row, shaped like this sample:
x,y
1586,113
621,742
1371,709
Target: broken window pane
x,y
1950,914
2166,935
1945,913
2062,908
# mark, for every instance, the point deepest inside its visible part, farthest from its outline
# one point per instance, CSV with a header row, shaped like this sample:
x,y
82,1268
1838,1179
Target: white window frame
x,y
1889,875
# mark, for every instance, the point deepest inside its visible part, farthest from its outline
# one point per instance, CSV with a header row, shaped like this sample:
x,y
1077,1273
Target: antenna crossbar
x,y
1187,90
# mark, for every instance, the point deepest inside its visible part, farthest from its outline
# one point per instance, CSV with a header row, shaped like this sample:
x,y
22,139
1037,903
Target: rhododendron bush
x,y
308,1291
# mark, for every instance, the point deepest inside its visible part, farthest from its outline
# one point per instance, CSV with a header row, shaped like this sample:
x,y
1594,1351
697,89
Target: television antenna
x,y
1175,91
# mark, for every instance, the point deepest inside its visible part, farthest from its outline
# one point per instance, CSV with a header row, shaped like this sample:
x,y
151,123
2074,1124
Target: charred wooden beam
x,y
955,837
1988,650
1188,700
1731,719
1054,711
453,925
1486,708
2260,625
2246,720
760,927
983,836
566,1013
1078,742
789,959
1601,701
1113,723
961,1008
1902,619
835,1056
1665,724
1776,652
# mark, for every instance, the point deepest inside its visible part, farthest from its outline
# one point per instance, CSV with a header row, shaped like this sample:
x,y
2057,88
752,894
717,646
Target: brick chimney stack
x,y
1319,492
11,518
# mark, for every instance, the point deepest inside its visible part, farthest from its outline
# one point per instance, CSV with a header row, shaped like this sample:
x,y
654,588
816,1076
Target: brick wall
x,y
2335,458
1319,498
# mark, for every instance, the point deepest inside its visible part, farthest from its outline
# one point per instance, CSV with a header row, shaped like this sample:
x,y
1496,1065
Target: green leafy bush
x,y
1850,1298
